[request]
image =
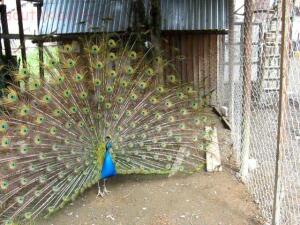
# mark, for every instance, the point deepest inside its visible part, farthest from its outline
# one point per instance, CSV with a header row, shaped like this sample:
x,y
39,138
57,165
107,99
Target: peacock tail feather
x,y
53,130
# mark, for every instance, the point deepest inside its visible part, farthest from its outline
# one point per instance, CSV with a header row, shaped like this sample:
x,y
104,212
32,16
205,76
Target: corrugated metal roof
x,y
85,16
194,14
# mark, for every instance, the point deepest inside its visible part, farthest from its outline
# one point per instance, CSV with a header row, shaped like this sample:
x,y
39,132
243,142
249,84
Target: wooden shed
x,y
193,29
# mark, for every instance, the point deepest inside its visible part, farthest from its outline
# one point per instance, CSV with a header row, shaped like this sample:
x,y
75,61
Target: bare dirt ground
x,y
198,199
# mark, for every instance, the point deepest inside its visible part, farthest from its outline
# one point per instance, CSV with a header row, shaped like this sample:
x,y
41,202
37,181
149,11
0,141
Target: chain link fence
x,y
249,92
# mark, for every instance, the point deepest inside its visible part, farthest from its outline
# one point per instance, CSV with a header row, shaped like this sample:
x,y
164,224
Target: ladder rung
x,y
271,89
272,56
271,79
272,67
264,11
271,44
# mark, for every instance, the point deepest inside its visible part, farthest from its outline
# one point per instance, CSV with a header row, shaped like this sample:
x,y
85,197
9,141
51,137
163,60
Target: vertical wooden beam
x,y
39,6
201,65
41,59
195,60
283,106
231,46
214,67
40,43
5,31
247,72
206,65
156,34
21,32
221,74
139,16
182,51
1,54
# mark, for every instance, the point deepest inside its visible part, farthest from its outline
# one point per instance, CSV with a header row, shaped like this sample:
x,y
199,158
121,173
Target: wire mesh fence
x,y
259,34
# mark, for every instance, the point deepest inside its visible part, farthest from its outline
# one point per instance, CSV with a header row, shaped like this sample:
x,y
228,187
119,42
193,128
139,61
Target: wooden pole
x,y
41,59
1,54
155,35
231,46
5,31
247,72
21,32
282,115
39,6
40,43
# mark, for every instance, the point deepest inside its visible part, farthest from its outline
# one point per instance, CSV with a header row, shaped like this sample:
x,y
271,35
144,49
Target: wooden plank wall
x,y
199,62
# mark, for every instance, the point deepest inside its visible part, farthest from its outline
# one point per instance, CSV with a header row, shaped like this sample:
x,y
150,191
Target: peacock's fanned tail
x,y
52,130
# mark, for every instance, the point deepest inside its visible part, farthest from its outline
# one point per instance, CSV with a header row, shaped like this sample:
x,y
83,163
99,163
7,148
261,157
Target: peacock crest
x,y
53,129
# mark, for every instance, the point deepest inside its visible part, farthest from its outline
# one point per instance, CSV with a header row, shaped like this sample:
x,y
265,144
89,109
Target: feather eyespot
x,y
129,70
57,112
37,140
12,96
23,130
112,43
4,185
60,79
172,78
24,110
99,65
83,95
40,119
68,48
97,82
73,109
109,89
3,126
108,105
78,77
120,100
132,55
112,56
53,130
95,49
12,165
46,99
70,63
5,142
112,73
67,93
149,71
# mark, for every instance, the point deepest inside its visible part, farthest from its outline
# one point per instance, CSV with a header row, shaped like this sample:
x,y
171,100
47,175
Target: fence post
x,y
4,26
282,115
231,59
247,72
21,32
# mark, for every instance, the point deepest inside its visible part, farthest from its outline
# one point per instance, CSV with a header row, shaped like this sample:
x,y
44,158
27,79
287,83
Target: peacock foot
x,y
100,193
106,191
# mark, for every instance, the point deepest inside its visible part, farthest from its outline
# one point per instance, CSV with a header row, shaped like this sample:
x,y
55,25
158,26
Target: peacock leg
x,y
104,187
100,193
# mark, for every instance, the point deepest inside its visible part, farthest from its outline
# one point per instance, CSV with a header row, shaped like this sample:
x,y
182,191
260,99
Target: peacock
x,y
53,130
